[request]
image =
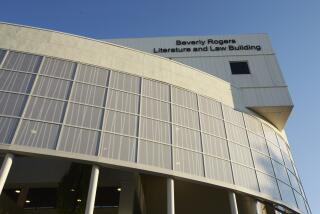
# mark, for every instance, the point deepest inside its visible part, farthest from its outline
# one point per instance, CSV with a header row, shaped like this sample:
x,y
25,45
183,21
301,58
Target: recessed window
x,y
239,67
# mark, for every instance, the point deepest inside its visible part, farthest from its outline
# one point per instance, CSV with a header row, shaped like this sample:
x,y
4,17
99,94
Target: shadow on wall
x,y
190,198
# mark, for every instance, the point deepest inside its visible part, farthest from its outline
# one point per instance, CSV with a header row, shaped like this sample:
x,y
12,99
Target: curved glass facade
x,y
59,105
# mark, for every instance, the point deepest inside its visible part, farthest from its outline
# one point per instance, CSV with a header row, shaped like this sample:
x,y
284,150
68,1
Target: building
x,y
193,126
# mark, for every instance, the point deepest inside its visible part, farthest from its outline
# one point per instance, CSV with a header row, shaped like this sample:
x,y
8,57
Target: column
x,y
92,189
170,196
251,205
233,203
4,171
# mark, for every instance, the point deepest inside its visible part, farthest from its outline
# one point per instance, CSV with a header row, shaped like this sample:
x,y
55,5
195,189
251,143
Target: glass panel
x,y
185,117
155,130
84,116
88,94
240,154
232,116
93,75
210,107
156,90
37,134
120,123
22,62
288,162
58,68
118,147
275,152
258,143
245,177
155,109
51,87
237,134
188,162
287,194
253,124
294,182
239,67
268,185
79,141
184,98
215,146
12,104
212,126
154,154
270,134
282,144
125,82
2,54
186,138
45,109
122,101
15,81
301,203
262,163
7,129
218,169
280,171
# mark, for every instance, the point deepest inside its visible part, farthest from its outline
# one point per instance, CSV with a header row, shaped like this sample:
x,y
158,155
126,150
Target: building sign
x,y
208,45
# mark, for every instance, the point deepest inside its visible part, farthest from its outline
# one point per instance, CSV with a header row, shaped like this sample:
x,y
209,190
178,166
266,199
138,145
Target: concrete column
x,y
170,196
4,171
233,203
92,189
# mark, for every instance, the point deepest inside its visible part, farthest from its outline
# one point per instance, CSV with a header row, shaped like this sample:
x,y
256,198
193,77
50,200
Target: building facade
x,y
92,126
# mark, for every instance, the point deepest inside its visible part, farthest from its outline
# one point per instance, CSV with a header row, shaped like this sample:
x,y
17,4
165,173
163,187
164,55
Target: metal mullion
x,y
103,113
67,105
243,165
201,138
19,71
156,99
29,96
139,121
4,58
236,125
227,141
171,127
10,116
14,92
209,115
254,165
155,119
185,107
257,134
265,173
124,91
120,111
261,153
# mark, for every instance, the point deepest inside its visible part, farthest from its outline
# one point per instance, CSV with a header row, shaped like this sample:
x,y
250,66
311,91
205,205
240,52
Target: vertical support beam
x,y
170,196
92,189
233,203
250,205
4,171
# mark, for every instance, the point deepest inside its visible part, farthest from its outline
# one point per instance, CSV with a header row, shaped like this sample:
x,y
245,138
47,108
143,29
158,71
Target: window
x,y
239,68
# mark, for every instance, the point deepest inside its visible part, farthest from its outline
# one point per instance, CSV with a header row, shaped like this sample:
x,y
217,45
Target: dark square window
x,y
239,68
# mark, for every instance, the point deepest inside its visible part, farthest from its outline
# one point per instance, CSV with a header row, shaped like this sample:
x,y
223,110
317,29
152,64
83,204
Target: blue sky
x,y
293,26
